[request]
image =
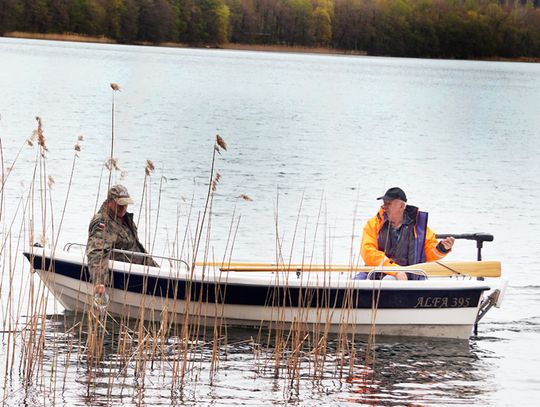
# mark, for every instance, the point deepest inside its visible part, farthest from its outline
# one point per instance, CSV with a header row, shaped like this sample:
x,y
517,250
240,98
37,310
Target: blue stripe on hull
x,y
229,293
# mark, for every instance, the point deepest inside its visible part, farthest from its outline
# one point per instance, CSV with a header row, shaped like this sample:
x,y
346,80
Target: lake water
x,y
313,140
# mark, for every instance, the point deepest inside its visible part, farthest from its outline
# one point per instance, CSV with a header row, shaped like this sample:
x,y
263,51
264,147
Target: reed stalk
x,y
128,353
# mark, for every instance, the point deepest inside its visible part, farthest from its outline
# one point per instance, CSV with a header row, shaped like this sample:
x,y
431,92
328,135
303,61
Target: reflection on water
x,y
400,371
423,373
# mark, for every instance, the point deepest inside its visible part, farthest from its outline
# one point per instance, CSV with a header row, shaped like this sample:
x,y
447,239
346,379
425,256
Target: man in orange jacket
x,y
398,236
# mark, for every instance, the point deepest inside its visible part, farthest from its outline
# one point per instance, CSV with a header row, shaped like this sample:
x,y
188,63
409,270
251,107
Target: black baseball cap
x,y
394,193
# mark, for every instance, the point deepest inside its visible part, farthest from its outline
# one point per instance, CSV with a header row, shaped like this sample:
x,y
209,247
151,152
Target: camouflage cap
x,y
120,195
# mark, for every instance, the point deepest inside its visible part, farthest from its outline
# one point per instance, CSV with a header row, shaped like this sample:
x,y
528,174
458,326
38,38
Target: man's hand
x,y
400,275
448,242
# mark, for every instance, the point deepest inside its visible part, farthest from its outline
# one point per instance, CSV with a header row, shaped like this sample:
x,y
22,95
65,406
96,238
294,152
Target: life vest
x,y
414,231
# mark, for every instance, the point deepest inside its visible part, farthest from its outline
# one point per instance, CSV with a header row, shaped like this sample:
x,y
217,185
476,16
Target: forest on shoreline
x,y
405,28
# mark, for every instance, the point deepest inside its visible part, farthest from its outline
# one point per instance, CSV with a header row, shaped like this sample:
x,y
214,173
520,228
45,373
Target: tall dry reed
x,y
140,341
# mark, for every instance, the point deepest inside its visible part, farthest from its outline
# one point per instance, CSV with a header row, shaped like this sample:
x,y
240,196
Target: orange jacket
x,y
369,248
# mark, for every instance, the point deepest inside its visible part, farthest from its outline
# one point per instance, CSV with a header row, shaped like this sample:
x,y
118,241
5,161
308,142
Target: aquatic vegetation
x,y
45,349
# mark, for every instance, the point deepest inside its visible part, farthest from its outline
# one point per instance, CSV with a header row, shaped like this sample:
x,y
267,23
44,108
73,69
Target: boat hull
x,y
446,308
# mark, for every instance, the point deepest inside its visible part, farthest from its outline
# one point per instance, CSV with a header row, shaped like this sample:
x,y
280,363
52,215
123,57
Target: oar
x,y
468,268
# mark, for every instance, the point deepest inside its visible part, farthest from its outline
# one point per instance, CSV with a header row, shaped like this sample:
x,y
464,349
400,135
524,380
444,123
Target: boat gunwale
x,y
330,279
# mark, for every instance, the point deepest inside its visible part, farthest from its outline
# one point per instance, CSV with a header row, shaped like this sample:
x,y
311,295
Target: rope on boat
x,y
449,268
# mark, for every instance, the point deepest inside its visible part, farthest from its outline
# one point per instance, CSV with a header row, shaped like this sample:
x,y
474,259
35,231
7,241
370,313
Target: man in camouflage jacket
x,y
112,227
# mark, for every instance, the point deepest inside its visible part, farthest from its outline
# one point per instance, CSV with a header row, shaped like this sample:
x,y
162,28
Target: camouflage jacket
x,y
107,232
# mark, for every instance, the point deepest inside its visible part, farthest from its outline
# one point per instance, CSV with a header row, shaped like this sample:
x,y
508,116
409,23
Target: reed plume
x,y
112,164
77,146
149,169
245,197
39,134
220,142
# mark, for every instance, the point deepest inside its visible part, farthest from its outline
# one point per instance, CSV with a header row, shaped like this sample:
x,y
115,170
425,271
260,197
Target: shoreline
x,y
70,37
59,37
289,48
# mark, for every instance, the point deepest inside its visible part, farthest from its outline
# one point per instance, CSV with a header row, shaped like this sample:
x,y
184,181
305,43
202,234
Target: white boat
x,y
326,298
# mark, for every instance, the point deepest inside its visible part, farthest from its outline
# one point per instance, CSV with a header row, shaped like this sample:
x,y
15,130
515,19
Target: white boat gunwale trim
x,y
306,279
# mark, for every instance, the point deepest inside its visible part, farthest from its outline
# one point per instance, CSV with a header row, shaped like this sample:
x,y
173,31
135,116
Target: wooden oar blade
x,y
469,268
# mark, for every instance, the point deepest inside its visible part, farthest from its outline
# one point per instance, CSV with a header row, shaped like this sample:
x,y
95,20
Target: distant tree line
x,y
414,28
